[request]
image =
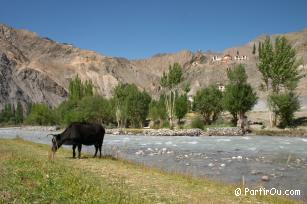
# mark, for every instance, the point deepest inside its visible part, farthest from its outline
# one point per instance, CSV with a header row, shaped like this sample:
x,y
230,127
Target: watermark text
x,y
264,191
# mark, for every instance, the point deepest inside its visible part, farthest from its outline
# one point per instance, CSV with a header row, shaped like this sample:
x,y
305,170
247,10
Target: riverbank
x,y
27,176
281,132
214,131
210,131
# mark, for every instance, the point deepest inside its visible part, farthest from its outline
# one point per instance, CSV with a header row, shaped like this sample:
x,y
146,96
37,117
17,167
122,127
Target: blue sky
x,y
141,28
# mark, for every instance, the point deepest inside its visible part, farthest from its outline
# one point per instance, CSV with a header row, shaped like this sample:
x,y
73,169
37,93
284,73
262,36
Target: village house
x,y
227,58
239,58
216,59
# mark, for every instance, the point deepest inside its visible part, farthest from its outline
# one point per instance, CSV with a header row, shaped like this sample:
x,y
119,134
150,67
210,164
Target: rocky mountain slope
x,y
37,69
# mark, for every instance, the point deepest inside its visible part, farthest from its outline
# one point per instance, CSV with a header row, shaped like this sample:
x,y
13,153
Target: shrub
x,y
41,114
197,123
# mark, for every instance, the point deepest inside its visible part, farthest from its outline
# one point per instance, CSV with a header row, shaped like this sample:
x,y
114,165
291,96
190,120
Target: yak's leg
x,y
100,150
79,150
96,150
74,151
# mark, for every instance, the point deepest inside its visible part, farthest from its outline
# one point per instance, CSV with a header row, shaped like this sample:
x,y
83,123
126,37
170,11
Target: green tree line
x,y
12,115
130,107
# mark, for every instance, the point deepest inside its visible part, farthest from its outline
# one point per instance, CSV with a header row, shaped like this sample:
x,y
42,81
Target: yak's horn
x,y
50,134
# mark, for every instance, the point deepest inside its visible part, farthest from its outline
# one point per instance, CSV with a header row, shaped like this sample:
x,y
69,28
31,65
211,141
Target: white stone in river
x,y
186,156
187,164
239,157
222,165
140,152
254,172
169,152
149,149
210,164
265,178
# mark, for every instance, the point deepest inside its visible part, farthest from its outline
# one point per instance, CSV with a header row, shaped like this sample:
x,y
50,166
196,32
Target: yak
x,y
78,134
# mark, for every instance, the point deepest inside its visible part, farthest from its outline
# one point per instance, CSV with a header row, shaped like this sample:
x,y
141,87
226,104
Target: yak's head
x,y
56,142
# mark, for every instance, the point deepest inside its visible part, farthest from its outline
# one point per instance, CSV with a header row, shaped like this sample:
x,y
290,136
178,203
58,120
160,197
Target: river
x,y
222,158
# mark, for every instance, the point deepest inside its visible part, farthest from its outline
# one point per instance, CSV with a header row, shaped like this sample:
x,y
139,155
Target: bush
x,y
208,102
284,106
41,114
181,106
166,124
197,123
88,109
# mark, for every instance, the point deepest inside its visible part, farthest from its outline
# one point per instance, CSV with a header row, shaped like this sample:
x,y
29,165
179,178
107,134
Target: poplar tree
x,y
19,113
280,74
254,49
169,82
239,96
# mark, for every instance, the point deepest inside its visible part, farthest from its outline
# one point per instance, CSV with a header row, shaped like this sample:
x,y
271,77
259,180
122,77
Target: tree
x,y
8,113
19,113
181,106
66,112
137,108
279,69
254,49
95,109
169,82
120,95
259,48
208,102
285,105
131,105
239,96
157,111
79,89
41,114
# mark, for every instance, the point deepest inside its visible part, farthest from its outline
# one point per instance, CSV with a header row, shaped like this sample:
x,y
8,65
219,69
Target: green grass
x,y
27,176
281,132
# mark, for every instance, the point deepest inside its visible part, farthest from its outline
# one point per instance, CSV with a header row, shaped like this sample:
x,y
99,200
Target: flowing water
x,y
223,158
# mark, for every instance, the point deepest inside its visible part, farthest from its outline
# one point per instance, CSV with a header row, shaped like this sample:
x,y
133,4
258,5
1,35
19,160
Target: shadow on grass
x,y
106,156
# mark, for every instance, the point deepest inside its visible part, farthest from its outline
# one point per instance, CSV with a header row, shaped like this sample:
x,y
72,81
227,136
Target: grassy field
x,y
27,176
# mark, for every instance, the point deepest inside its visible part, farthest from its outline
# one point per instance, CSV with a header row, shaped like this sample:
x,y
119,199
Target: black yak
x,y
78,134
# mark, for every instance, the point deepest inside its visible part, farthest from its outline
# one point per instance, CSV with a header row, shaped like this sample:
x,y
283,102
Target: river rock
x,y
265,178
225,131
168,132
140,152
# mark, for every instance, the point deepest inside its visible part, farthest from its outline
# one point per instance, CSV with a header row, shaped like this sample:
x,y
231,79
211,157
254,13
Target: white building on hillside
x,y
216,58
239,58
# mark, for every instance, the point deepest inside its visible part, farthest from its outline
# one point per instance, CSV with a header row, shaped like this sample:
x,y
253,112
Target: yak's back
x,y
85,133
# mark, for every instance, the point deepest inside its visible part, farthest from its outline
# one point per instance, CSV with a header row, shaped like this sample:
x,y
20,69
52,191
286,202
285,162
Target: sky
x,y
137,29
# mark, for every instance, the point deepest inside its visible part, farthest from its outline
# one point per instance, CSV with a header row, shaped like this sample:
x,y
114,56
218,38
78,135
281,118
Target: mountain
x,y
37,69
